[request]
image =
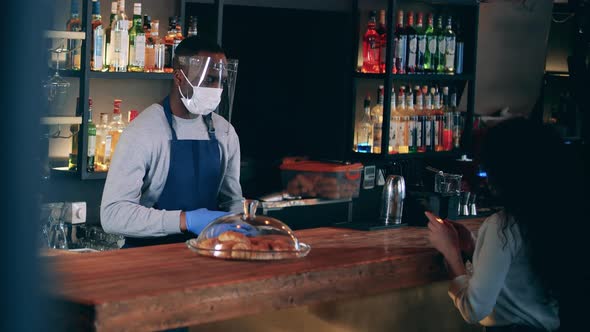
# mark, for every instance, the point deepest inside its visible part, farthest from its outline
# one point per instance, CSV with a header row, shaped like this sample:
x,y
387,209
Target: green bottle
x,y
91,139
430,51
450,41
441,49
74,130
137,41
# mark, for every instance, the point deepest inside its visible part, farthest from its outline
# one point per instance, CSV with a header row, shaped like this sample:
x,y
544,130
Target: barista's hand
x,y
197,220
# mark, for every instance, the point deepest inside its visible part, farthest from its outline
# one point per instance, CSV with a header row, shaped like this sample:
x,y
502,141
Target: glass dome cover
x,y
246,236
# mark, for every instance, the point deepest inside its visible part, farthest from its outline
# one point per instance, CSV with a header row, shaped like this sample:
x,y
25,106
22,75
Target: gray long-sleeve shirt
x,y
139,170
503,289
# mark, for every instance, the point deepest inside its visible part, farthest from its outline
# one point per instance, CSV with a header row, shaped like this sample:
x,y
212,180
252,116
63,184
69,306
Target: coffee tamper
x,y
392,200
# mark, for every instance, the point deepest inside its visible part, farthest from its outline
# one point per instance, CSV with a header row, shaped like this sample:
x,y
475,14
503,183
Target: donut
x,y
241,250
233,236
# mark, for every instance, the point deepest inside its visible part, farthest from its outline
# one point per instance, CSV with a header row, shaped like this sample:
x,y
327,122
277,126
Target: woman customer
x,y
529,270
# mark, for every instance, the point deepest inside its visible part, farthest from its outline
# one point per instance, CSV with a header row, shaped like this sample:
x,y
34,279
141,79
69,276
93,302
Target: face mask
x,y
203,101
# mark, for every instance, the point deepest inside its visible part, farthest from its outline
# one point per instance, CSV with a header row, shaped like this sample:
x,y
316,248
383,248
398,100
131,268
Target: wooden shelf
x,y
417,77
61,120
130,76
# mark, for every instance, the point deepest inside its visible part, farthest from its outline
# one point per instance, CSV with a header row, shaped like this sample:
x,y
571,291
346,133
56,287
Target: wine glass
x,y
56,87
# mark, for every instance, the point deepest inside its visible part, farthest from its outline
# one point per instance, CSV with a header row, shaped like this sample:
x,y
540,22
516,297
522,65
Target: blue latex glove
x,y
197,220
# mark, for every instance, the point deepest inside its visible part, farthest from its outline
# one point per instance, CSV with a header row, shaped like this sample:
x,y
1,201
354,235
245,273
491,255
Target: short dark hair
x,y
193,45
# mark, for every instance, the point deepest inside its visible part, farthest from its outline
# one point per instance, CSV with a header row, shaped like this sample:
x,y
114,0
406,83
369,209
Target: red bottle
x,y
371,47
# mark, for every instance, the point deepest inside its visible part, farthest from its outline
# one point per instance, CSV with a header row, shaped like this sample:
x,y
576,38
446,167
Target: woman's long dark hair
x,y
537,180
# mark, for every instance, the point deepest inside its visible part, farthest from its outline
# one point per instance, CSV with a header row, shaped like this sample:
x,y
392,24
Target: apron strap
x,y
210,128
168,113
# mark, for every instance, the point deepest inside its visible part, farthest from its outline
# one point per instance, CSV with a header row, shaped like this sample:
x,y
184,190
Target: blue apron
x,y
193,178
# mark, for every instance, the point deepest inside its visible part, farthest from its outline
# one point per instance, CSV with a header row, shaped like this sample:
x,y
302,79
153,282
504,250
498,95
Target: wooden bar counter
x,y
163,287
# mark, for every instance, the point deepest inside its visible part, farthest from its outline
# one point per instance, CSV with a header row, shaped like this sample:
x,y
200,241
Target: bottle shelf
x,y
130,75
61,120
417,77
94,175
363,157
56,34
66,72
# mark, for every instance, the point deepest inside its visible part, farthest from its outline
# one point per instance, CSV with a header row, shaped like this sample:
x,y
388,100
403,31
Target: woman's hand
x,y
445,238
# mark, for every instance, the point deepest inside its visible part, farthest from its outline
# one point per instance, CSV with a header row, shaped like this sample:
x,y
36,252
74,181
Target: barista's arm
x,y
121,211
230,193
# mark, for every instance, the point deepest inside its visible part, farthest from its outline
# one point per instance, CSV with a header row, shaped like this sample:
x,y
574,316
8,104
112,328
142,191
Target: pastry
x,y
241,250
279,245
223,249
207,244
233,236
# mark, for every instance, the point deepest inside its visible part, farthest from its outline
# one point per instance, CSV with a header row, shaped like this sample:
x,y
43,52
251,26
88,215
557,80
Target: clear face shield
x,y
208,85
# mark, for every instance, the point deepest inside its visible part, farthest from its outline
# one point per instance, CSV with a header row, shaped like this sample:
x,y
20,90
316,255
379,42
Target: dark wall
x,y
293,86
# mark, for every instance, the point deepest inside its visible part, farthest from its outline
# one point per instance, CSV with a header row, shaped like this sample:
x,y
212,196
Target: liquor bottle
x,y
401,100
365,136
104,143
450,40
430,53
91,139
410,100
74,130
435,99
427,99
147,26
117,126
441,46
421,39
393,101
448,120
445,99
131,115
169,42
120,40
382,31
192,30
155,50
371,47
459,48
97,45
108,54
178,37
74,24
400,41
412,44
137,41
377,118
419,104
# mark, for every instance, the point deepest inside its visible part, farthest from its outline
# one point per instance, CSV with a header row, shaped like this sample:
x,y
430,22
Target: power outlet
x,y
75,212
